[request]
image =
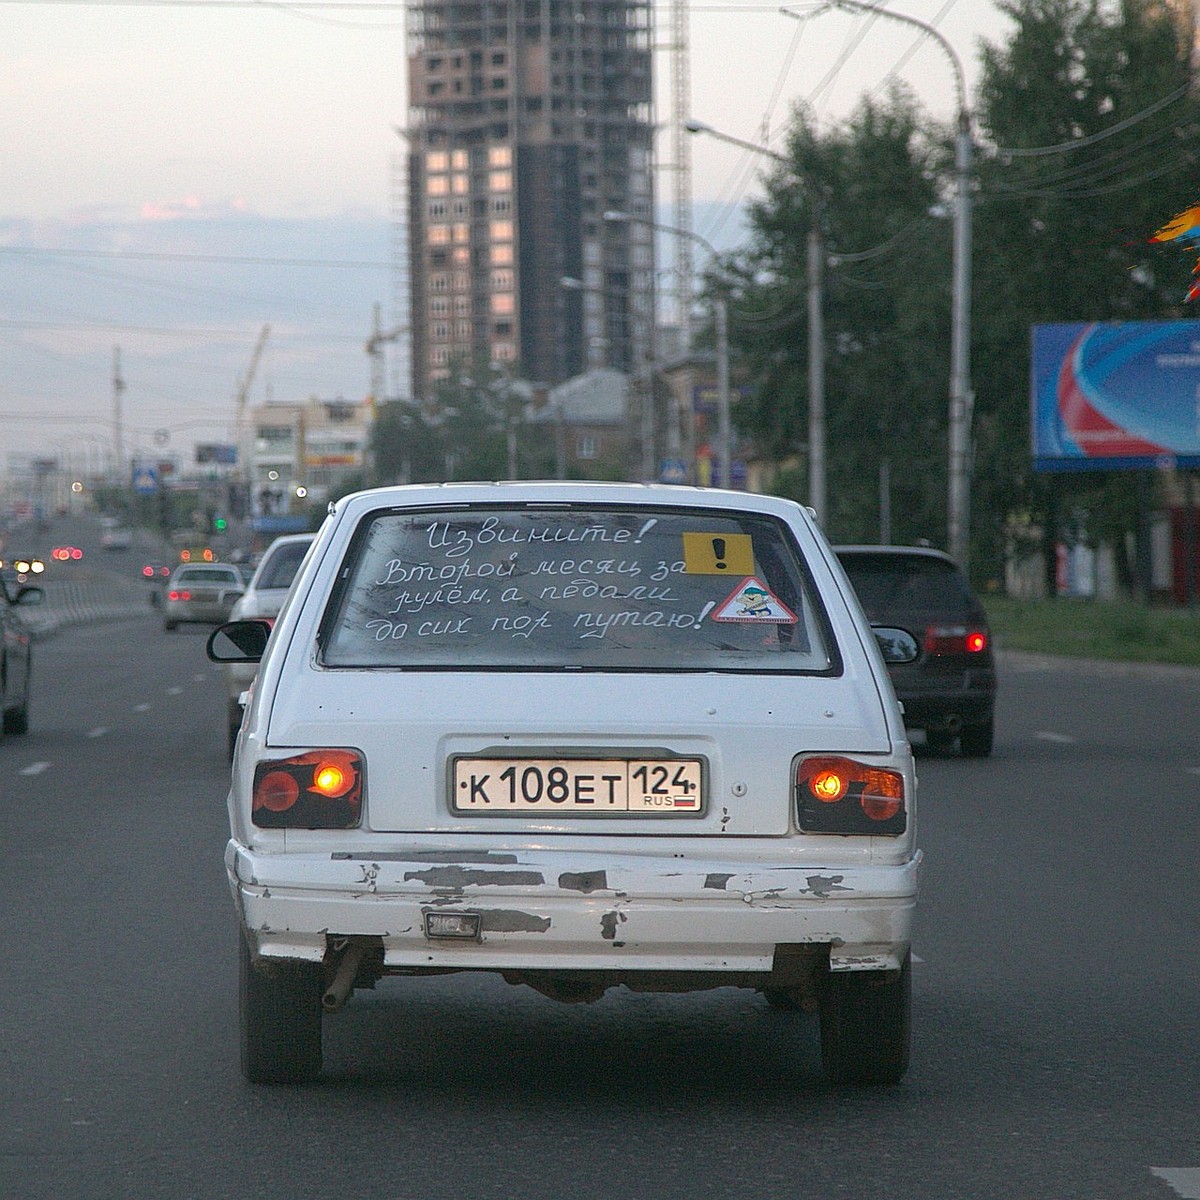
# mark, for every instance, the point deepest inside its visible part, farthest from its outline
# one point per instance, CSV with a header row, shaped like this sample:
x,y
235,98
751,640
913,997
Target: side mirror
x,y
238,641
897,646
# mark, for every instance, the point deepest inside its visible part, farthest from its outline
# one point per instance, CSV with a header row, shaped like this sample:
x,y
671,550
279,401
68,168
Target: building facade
x,y
528,121
300,454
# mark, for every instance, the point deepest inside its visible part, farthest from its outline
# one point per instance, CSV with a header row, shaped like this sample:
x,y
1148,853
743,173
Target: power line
x,y
1062,147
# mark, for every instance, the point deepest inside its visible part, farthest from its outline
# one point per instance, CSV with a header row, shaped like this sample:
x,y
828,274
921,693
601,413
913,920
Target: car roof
x,y
562,492
208,566
896,551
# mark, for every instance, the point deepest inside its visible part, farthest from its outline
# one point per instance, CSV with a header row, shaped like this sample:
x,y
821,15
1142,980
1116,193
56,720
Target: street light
x,y
958,506
816,315
721,325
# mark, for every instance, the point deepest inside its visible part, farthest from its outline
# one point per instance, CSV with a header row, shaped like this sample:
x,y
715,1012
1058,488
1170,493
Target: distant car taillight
x,y
955,639
321,789
840,795
179,594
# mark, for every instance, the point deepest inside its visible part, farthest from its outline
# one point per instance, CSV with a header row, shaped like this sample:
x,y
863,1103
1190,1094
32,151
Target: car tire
x,y
940,741
976,740
280,1019
866,1020
16,720
169,626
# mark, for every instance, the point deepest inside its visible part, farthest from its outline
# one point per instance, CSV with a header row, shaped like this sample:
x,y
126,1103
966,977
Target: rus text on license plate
x,y
577,786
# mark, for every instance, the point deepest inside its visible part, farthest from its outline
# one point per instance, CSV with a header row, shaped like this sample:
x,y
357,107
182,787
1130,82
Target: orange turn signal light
x,y
842,795
322,789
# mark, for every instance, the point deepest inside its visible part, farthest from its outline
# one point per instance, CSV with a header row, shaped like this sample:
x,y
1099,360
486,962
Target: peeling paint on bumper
x,y
554,910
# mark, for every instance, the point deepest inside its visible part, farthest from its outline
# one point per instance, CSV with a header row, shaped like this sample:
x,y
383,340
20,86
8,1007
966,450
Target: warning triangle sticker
x,y
753,603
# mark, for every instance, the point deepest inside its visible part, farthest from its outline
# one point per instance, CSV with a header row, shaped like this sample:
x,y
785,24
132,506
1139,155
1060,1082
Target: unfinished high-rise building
x,y
529,120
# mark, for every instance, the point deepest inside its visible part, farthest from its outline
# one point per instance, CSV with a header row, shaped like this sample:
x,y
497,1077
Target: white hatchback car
x,y
580,735
264,596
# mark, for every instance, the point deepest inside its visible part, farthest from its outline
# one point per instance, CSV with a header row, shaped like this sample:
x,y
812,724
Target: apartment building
x,y
529,120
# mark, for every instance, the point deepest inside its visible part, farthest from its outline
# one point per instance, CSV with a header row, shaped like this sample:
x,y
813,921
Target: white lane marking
x,y
34,768
175,691
199,678
1192,770
1183,1181
1062,739
99,731
141,708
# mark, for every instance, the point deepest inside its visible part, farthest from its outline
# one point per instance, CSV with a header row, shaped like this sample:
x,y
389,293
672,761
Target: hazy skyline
x,y
207,131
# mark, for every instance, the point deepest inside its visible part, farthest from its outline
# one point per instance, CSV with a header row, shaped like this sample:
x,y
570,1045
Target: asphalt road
x,y
1057,993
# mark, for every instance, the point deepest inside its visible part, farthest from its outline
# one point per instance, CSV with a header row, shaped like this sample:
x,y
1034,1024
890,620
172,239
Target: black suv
x,y
950,691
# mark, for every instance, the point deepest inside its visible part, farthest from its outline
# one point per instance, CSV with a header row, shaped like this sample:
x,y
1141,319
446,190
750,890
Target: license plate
x,y
578,787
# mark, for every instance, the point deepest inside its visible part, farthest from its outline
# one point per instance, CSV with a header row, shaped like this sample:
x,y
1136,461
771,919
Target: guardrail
x,y
75,602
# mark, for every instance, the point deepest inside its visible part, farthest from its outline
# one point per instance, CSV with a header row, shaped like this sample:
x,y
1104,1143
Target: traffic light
x,y
220,524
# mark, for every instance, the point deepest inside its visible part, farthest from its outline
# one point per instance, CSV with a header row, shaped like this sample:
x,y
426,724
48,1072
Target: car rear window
x,y
280,567
896,582
602,588
208,575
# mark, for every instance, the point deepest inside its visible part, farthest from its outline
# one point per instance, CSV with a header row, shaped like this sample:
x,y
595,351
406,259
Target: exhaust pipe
x,y
342,983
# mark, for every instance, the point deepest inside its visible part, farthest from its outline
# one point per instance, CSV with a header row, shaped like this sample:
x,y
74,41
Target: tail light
x,y
840,795
179,594
321,789
955,639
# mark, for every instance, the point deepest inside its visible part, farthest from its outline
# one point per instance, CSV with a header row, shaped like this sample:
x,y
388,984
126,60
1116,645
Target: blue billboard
x,y
1112,396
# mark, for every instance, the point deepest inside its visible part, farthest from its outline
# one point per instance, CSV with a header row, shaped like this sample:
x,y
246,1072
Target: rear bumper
x,y
558,911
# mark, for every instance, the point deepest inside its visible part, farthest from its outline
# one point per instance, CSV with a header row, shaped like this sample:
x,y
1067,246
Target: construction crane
x,y
374,348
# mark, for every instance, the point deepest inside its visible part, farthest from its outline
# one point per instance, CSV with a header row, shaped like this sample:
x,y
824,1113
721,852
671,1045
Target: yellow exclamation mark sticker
x,y
718,554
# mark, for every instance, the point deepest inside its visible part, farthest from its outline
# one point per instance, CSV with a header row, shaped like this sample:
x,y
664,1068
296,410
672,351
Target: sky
x,y
179,175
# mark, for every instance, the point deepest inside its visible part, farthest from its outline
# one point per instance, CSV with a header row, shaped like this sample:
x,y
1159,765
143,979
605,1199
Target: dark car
x,y
16,653
950,691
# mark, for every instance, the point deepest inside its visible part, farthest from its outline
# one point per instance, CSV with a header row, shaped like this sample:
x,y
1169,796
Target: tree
x,y
1085,125
460,433
886,310
1091,111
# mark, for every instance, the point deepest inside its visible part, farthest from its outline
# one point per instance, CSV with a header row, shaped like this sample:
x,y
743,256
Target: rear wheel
x,y
939,740
169,626
866,1019
976,740
280,1019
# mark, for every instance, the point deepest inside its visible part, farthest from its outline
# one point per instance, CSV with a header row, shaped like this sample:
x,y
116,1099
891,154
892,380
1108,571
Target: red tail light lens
x,y
840,795
955,639
321,789
179,594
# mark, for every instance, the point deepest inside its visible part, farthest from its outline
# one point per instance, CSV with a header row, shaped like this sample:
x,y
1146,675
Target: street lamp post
x,y
721,329
817,498
958,496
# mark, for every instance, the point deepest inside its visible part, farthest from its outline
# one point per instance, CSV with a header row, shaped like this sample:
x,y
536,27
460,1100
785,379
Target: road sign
x,y
145,480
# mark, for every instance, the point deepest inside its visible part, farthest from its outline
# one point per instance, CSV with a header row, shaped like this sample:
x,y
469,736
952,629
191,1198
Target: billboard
x,y
216,452
1121,395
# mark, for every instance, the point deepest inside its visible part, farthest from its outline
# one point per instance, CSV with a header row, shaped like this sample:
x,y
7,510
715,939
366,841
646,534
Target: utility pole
x,y
721,329
958,498
118,388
